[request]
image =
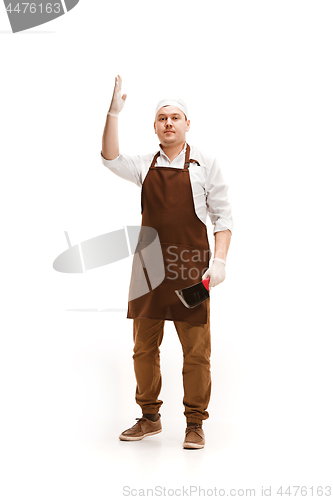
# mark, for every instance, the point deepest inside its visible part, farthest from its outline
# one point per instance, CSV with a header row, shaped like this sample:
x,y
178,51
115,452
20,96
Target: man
x,y
179,185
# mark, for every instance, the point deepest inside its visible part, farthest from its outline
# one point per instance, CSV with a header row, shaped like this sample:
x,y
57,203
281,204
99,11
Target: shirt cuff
x,y
109,162
223,226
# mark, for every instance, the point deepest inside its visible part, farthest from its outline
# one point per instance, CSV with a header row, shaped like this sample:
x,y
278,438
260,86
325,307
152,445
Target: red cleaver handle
x,y
206,283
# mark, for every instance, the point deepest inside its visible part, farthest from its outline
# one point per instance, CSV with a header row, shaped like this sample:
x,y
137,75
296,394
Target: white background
x,y
258,79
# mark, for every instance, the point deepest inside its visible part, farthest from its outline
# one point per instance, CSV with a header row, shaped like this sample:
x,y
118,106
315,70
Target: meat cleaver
x,y
195,294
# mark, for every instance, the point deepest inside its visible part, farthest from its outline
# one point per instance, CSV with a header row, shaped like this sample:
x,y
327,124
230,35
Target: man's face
x,y
171,126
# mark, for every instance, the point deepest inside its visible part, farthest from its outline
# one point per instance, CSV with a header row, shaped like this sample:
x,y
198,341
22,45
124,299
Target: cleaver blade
x,y
195,294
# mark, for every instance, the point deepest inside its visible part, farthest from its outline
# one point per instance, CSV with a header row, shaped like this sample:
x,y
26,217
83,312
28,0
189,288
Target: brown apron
x,y
168,207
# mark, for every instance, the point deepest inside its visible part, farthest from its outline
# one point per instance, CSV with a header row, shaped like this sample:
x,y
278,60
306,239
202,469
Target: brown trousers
x,y
195,340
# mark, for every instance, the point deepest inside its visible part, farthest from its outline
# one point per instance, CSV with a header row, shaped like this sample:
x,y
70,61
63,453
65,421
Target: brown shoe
x,y
194,437
144,427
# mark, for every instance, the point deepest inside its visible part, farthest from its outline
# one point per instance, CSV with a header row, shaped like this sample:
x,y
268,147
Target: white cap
x,y
172,102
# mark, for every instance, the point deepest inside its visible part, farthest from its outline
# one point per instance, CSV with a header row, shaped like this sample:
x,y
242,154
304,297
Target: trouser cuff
x,y
193,420
149,410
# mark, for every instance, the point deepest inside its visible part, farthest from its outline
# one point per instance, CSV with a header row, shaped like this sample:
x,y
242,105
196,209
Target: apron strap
x,y
187,157
154,159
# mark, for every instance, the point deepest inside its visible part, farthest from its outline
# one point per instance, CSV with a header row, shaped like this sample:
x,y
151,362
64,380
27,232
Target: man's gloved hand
x,y
118,100
216,272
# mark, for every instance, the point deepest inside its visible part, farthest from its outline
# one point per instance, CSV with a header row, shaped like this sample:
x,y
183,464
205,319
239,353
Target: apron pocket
x,y
148,260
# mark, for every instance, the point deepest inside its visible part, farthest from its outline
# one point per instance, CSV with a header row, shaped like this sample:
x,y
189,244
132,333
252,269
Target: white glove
x,y
118,100
216,272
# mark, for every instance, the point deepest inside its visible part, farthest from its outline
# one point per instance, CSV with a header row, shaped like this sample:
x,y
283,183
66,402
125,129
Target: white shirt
x,y
210,192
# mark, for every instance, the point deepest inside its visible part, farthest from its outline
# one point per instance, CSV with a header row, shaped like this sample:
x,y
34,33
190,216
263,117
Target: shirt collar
x,y
165,156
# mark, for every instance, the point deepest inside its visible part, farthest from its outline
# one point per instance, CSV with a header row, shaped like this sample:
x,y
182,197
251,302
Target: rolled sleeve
x,y
218,206
126,167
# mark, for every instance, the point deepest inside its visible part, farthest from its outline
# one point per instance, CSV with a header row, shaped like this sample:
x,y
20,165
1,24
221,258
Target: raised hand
x,y
118,100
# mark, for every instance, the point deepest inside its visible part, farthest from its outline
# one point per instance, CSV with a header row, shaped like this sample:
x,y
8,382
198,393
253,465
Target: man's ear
x,y
155,127
188,123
